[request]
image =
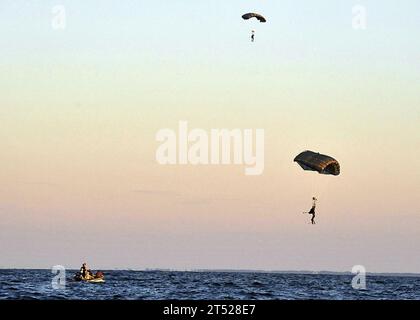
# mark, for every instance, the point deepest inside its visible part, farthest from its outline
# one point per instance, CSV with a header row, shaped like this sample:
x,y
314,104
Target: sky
x,y
80,108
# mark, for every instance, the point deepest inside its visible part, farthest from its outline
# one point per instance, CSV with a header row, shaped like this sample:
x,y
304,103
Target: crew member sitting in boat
x,y
85,272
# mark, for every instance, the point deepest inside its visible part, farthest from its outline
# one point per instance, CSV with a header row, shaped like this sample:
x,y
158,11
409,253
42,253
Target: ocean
x,y
162,285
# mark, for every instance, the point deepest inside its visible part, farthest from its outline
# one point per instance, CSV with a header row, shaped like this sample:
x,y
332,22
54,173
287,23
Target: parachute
x,y
254,15
321,163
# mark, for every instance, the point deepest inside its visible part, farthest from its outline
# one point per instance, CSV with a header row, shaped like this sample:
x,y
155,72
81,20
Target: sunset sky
x,y
80,108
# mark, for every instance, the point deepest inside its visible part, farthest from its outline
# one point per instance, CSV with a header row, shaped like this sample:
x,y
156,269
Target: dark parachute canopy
x,y
254,15
313,161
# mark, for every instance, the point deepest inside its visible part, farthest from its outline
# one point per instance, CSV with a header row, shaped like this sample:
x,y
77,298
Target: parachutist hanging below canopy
x,y
257,16
323,164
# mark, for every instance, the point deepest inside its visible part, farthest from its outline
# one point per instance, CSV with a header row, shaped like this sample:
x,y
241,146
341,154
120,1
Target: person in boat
x,y
85,272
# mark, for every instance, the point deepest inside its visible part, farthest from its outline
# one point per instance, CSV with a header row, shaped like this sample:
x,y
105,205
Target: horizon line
x,y
313,272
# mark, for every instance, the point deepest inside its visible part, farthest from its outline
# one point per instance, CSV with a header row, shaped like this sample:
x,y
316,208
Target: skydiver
x,y
312,211
253,36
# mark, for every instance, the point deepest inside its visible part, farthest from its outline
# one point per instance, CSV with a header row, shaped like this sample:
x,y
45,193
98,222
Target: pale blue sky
x,y
206,29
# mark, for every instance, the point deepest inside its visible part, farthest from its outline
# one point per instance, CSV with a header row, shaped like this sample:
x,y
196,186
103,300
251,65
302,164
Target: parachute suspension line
x,y
314,186
321,188
322,167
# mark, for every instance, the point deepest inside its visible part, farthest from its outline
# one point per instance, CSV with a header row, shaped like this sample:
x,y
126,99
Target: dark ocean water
x,y
147,285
